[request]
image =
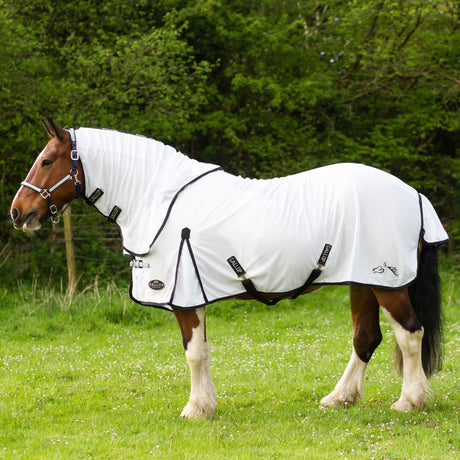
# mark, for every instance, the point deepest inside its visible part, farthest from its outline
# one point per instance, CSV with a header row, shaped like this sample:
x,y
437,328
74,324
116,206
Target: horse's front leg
x,y
203,397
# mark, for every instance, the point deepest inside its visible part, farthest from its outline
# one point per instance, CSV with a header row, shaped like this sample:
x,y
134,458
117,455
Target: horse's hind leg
x,y
203,398
366,338
408,331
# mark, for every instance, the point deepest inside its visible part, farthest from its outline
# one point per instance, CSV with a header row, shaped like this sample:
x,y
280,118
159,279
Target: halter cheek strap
x,y
73,174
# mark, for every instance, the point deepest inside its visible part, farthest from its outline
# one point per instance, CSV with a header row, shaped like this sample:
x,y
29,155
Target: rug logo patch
x,y
95,196
114,213
382,268
237,268
325,254
156,285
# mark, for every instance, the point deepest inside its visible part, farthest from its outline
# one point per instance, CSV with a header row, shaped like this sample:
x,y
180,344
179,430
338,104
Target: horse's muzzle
x,y
28,222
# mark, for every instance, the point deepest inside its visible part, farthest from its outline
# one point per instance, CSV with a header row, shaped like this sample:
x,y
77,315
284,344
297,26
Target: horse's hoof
x,y
194,411
329,402
406,404
402,405
332,401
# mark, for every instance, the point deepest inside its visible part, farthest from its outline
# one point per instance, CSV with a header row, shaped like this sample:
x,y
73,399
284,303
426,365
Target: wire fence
x,y
96,247
95,244
84,234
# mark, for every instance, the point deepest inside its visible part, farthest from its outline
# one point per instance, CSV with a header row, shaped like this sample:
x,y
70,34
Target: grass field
x,y
107,379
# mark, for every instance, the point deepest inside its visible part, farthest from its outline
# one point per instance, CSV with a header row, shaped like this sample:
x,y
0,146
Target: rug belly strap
x,y
257,295
251,289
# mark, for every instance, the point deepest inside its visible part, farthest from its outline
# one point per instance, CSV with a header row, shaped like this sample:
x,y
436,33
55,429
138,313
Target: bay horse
x,y
174,218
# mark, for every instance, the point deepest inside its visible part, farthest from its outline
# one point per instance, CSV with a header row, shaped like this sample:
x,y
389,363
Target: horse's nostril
x,y
14,214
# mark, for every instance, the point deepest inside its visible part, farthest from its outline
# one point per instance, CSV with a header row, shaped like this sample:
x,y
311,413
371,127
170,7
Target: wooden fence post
x,y
70,252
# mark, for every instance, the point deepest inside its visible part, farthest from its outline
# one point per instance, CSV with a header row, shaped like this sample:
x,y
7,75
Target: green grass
x,y
104,378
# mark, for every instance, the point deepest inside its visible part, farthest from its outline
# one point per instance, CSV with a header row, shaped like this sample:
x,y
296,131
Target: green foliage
x,y
264,88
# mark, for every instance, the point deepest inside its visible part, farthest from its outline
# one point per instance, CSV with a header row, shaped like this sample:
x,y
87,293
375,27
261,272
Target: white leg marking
x,y
203,397
415,388
350,386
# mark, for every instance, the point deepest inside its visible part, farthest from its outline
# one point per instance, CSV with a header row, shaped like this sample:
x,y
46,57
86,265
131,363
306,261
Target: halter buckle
x,y
45,194
74,155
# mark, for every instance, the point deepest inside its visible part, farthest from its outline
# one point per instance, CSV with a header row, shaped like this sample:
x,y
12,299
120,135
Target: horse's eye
x,y
47,163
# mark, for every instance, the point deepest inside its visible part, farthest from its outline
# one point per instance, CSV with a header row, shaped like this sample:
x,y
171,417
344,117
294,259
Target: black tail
x,y
425,296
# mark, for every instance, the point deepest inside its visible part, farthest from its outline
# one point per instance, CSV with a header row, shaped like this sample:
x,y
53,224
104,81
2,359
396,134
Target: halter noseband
x,y
46,192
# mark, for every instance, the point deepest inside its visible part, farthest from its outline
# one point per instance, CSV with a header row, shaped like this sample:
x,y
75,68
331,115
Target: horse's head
x,y
55,179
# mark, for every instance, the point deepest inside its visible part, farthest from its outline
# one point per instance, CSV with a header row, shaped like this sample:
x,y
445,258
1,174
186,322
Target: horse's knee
x,y
365,342
193,328
366,327
197,349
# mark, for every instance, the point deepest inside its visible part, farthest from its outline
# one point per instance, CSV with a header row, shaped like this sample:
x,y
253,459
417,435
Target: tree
x,y
264,88
300,84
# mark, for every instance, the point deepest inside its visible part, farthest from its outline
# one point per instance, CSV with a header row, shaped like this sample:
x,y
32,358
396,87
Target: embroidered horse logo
x,y
382,268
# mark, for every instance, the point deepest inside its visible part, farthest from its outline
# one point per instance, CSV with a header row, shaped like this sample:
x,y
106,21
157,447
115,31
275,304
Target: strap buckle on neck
x,y
73,141
75,157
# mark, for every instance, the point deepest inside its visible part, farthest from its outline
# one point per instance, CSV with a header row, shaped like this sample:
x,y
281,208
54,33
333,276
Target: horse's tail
x,y
425,296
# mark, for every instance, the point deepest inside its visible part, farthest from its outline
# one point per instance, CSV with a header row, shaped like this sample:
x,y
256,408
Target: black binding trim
x,y
185,239
422,228
422,223
173,201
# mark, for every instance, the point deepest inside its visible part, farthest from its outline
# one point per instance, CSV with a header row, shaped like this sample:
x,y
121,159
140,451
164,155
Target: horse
x,y
340,224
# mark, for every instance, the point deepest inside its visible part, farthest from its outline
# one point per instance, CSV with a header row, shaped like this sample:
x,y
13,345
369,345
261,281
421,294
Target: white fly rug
x,y
195,232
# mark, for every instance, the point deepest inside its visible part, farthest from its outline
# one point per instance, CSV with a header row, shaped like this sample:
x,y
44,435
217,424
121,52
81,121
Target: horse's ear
x,y
53,129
